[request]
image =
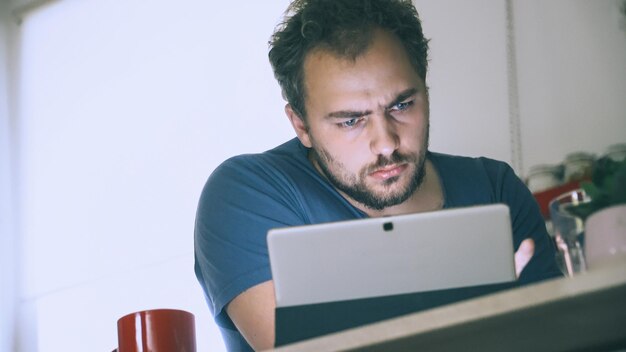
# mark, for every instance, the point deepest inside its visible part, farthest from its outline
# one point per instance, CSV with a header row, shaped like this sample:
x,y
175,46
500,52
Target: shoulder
x,y
257,182
279,179
473,180
272,172
468,166
287,158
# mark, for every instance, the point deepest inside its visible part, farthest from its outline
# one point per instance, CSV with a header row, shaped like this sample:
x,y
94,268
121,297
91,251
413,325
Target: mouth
x,y
388,171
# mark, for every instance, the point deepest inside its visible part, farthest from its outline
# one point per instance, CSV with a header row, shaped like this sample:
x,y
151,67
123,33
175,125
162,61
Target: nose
x,y
384,139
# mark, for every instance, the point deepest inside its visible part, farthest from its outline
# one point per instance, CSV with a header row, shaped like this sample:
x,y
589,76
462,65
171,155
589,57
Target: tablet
x,y
334,276
376,257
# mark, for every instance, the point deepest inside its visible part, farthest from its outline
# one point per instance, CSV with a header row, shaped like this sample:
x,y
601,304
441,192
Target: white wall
x,y
126,109
8,234
468,76
571,57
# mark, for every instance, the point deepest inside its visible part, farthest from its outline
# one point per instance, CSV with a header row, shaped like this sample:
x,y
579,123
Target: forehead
x,y
382,71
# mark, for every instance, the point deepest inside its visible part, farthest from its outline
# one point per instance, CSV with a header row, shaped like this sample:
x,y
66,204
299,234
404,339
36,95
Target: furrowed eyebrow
x,y
402,97
347,114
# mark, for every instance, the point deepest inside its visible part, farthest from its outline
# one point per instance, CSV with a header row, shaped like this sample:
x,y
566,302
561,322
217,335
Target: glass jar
x,y
578,166
543,177
616,152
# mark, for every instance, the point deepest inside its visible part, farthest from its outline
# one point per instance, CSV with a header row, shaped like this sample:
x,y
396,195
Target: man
x,y
353,74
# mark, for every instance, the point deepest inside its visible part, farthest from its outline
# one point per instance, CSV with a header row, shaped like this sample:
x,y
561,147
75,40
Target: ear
x,y
299,126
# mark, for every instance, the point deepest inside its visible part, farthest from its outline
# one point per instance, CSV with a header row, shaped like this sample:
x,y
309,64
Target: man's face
x,y
367,122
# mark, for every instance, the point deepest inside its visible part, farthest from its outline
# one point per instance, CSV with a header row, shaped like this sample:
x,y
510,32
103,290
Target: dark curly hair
x,y
344,27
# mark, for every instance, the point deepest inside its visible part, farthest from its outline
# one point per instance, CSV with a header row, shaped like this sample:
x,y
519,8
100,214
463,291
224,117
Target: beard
x,y
355,187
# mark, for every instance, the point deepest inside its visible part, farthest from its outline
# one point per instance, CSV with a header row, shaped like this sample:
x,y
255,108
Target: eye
x,y
402,106
350,123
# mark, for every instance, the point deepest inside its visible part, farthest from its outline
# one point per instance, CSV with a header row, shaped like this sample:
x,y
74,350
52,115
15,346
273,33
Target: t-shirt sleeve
x,y
527,222
240,202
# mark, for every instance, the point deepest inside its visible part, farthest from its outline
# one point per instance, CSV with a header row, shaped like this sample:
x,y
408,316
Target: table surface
x,y
586,312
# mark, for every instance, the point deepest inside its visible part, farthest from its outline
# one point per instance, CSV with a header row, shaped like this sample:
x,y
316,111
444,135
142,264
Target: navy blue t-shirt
x,y
250,194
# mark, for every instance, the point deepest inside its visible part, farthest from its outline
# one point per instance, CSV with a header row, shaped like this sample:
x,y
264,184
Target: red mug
x,y
157,330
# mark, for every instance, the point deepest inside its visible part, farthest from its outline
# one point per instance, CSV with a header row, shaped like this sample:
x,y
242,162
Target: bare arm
x,y
523,255
253,314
